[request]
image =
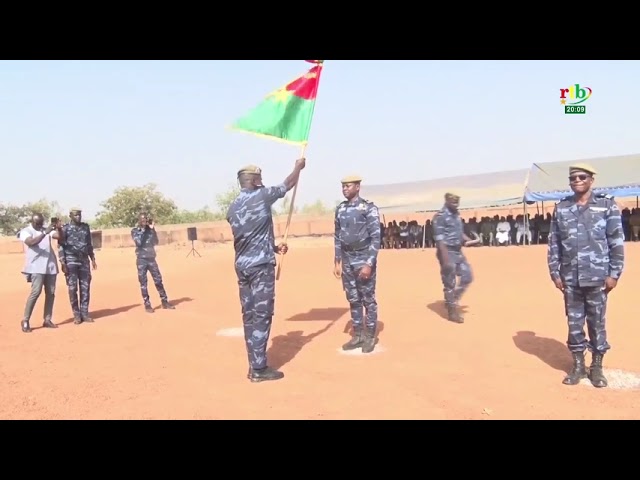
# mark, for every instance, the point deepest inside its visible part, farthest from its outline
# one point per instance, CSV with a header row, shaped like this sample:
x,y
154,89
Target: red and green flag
x,y
286,113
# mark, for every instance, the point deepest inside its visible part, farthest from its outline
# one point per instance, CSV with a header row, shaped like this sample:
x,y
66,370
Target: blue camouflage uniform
x,y
357,241
75,251
145,240
255,260
448,228
586,245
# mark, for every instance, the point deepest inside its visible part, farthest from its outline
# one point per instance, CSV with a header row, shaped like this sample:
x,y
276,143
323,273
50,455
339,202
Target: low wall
x,y
209,232
301,226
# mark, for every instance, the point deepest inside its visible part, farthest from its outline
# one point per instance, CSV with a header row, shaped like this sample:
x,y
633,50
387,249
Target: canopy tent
x,y
476,191
618,176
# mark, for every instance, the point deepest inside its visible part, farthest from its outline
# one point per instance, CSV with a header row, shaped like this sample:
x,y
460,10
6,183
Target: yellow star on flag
x,y
280,95
563,102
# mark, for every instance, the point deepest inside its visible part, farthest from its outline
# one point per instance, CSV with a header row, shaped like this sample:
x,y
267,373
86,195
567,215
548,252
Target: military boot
x,y
26,328
369,340
148,308
264,375
167,306
578,372
356,339
453,314
596,375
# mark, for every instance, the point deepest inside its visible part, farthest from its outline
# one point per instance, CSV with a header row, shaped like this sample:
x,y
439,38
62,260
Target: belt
x,y
355,247
455,248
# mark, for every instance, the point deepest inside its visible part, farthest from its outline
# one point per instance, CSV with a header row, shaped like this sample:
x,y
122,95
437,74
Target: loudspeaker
x,y
192,234
96,239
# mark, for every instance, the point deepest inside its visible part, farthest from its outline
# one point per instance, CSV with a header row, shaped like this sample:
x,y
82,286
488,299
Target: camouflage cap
x,y
451,196
250,169
351,179
582,167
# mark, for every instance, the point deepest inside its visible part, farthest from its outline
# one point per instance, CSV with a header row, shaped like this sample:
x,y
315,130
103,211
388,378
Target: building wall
x,y
301,226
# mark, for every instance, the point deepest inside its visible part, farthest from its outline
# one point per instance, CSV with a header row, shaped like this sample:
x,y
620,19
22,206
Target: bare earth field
x,y
506,362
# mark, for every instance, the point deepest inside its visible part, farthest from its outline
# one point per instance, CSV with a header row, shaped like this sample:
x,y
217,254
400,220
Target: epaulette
x,y
566,199
605,195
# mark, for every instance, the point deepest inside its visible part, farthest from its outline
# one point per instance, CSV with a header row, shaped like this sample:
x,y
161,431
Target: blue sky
x,y
74,131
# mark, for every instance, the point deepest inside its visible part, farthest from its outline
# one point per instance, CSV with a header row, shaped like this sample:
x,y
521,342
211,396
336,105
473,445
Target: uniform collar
x,y
592,198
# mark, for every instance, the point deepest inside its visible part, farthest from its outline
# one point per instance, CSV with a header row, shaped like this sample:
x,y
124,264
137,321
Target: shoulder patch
x,y
605,195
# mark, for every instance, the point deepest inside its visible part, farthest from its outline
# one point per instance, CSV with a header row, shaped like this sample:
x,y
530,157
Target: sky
x,y
74,131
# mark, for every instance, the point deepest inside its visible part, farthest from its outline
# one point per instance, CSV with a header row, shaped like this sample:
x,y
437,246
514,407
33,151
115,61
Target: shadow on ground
x,y
178,301
286,347
330,314
549,350
440,309
103,313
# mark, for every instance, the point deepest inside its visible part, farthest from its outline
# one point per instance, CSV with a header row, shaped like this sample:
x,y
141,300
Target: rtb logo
x,y
573,97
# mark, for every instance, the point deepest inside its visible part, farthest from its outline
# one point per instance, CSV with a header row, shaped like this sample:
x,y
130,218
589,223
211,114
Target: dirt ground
x,y
506,362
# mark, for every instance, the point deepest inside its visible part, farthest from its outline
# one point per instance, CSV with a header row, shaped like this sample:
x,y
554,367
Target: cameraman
x,y
40,267
145,238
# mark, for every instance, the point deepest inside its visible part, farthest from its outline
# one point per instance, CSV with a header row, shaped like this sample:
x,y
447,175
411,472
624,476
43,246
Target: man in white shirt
x,y
522,230
40,267
503,231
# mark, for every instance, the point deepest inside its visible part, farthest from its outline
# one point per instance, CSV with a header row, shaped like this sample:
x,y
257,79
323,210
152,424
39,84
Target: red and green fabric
x,y
286,113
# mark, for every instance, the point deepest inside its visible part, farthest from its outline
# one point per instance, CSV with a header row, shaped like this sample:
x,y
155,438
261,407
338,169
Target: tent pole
x,y
525,221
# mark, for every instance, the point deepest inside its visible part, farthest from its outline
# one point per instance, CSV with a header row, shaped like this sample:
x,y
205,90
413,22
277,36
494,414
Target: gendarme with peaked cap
x,y
582,167
351,179
250,169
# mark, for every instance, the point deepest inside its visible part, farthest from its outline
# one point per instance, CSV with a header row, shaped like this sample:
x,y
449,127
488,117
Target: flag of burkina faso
x,y
286,113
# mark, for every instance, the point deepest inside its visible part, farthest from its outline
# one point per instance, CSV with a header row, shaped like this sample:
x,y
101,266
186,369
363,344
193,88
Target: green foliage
x,y
196,216
223,200
122,208
15,217
284,206
318,208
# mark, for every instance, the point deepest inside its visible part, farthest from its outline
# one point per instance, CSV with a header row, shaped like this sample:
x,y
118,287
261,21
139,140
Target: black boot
x,y
167,306
578,372
264,375
453,314
369,340
356,339
26,328
148,308
596,375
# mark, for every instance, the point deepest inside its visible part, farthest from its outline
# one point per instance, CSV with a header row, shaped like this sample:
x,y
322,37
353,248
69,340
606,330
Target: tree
x,y
318,208
198,216
224,199
15,217
285,205
123,207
